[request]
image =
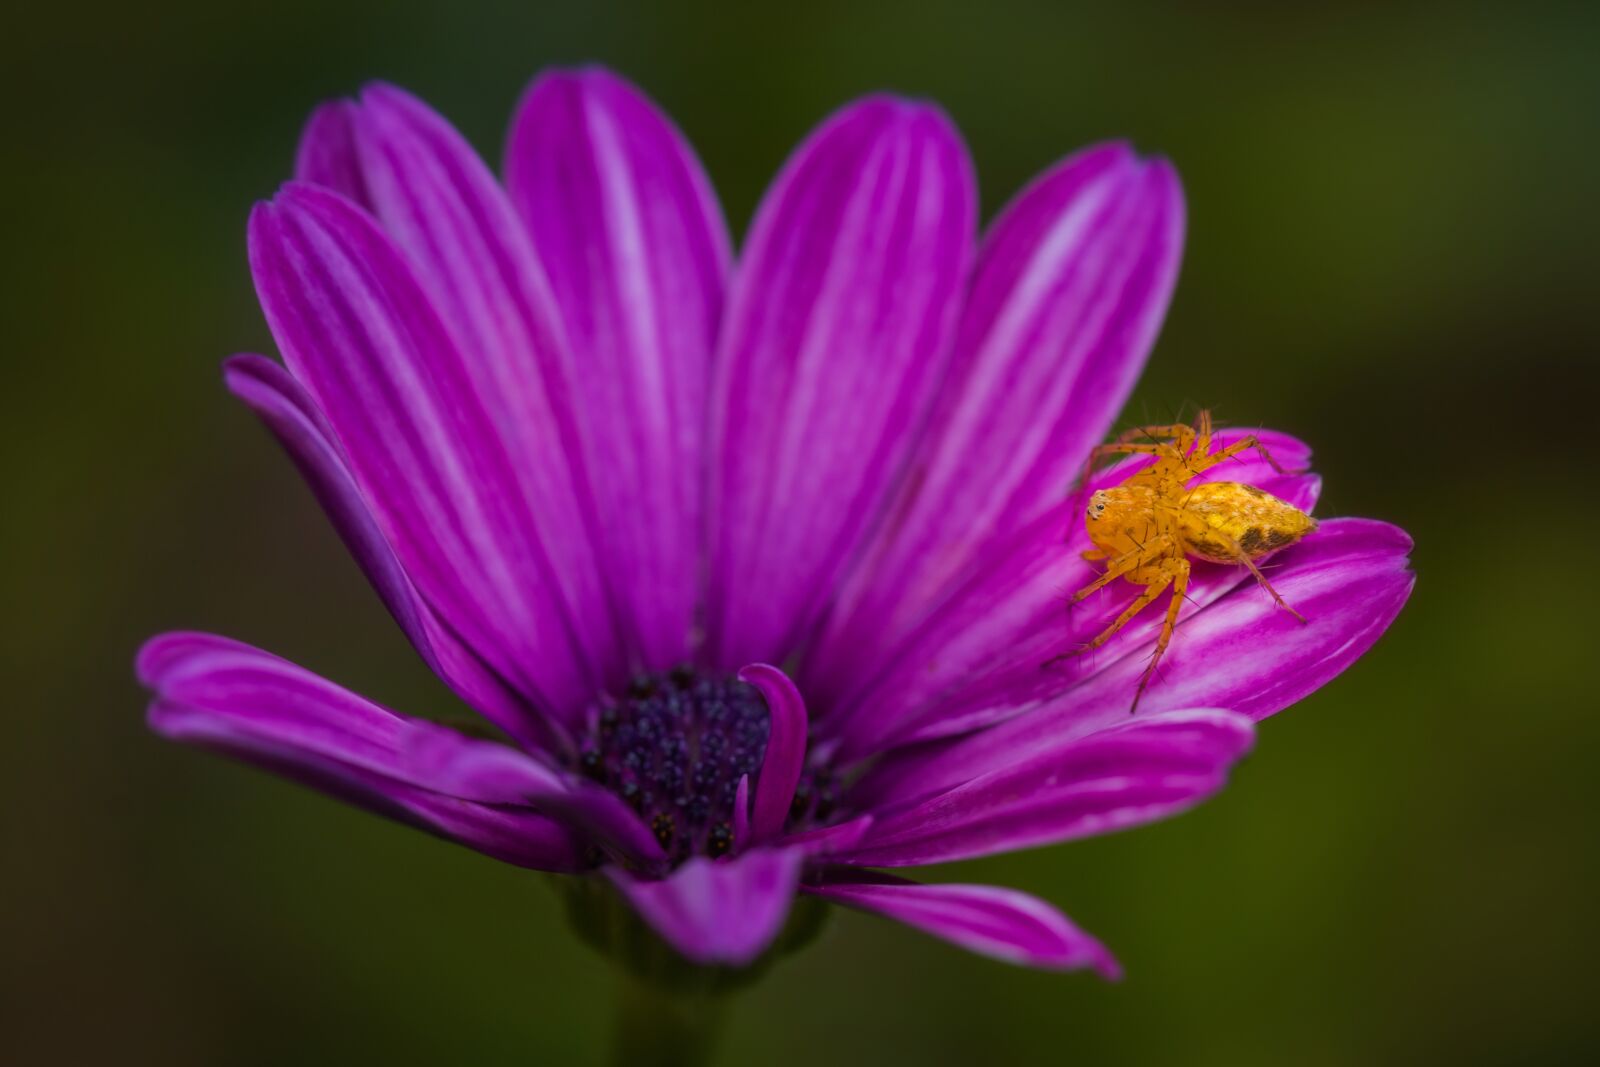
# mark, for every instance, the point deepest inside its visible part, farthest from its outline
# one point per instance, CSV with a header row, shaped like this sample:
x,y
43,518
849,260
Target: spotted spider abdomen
x,y
1219,515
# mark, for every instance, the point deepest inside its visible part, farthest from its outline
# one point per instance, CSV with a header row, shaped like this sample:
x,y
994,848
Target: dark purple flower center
x,y
675,746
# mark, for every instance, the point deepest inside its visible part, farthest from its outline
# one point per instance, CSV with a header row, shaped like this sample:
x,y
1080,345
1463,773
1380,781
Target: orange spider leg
x,y
1171,440
1139,604
1203,463
1100,452
1202,444
1128,561
1180,434
1180,585
1123,564
1250,565
1162,451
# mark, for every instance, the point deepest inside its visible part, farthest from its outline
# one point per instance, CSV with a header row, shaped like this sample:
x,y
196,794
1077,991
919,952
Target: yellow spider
x,y
1150,525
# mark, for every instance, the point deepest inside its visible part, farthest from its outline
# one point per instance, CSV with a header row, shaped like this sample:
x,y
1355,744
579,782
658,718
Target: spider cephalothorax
x,y
1151,524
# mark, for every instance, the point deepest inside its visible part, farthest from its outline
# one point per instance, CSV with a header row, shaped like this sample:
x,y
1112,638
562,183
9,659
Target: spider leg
x,y
1181,435
1250,565
1202,444
1139,557
1142,556
1163,453
1171,441
1139,604
1123,448
1241,445
1180,585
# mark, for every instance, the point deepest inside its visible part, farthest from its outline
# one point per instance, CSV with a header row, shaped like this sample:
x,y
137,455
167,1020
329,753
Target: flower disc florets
x,y
675,747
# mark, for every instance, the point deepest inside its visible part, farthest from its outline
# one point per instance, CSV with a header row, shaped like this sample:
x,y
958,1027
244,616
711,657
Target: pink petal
x,y
1000,923
835,339
444,209
1349,579
292,416
1132,773
1070,289
327,153
718,912
628,230
786,749
979,655
492,773
413,421
229,697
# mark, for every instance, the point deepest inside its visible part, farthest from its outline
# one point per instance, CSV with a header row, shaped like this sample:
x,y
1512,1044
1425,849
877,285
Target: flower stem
x,y
661,1027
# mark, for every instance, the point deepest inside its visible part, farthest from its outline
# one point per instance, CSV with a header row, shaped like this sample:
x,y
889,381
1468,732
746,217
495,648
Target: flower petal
x,y
786,749
1349,579
227,696
1004,924
978,657
828,840
410,417
492,773
446,212
835,338
721,912
1070,289
292,416
327,153
636,251
1132,773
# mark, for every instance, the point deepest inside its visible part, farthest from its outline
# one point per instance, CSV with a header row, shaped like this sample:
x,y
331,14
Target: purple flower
x,y
603,475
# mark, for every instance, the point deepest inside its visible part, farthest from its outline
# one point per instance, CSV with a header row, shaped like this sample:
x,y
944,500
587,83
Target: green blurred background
x,y
1391,253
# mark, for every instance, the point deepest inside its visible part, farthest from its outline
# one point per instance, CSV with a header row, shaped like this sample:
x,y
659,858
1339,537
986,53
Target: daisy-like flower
x,y
752,562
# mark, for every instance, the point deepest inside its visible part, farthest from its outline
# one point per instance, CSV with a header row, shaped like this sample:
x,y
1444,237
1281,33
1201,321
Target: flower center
x,y
675,746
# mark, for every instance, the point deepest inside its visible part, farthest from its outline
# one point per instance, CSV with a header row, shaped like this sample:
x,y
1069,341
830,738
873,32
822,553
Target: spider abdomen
x,y
1221,519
